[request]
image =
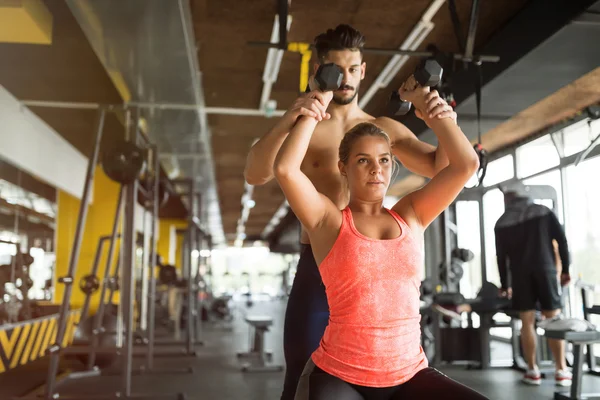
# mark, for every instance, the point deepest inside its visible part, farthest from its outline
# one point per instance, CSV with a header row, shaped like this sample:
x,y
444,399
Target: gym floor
x,y
216,370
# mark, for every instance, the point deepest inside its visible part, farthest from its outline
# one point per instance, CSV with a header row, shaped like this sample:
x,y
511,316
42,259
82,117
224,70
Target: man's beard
x,y
342,101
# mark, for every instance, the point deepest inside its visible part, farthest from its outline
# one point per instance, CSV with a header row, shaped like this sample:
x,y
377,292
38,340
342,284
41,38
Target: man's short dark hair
x,y
343,37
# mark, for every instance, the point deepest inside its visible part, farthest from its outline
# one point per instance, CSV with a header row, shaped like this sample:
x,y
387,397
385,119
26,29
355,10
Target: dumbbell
x,y
328,78
428,73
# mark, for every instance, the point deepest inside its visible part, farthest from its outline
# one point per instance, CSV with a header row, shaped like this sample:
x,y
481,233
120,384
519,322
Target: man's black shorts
x,y
531,287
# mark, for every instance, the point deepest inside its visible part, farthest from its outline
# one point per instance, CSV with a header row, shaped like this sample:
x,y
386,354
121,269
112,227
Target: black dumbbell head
x,y
428,73
397,106
329,77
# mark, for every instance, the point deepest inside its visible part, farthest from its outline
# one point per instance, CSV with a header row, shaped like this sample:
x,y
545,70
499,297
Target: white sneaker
x,y
563,378
533,377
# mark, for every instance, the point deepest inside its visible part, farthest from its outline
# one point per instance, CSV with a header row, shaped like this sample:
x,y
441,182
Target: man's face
x,y
351,64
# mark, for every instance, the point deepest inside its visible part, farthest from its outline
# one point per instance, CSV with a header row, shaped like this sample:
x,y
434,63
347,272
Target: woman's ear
x,y
342,168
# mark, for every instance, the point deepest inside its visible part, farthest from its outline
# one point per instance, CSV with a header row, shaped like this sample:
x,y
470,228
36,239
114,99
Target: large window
x,y
493,208
577,207
238,271
578,136
582,211
8,250
499,170
552,179
468,237
14,194
536,156
583,220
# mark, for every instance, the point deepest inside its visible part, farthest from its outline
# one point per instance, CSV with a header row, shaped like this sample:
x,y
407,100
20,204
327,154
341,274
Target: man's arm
x,y
259,164
557,233
311,207
417,156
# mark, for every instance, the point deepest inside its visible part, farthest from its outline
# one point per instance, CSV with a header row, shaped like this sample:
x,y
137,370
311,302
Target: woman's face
x,y
369,168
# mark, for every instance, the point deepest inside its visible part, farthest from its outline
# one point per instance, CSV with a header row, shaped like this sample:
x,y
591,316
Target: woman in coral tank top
x,y
369,258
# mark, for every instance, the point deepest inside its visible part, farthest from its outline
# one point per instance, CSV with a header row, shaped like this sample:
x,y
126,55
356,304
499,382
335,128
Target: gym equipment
x,y
16,308
24,259
427,287
105,338
131,163
578,339
478,147
167,274
329,77
453,274
123,162
67,280
149,187
221,309
163,194
193,236
482,154
586,289
468,344
89,284
26,341
257,354
473,344
428,73
108,283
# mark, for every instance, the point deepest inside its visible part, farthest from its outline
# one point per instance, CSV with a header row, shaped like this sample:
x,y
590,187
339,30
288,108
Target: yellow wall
x,y
167,240
99,223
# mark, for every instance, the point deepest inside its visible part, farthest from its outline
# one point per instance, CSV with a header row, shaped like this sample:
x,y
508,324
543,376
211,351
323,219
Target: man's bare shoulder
x,y
327,133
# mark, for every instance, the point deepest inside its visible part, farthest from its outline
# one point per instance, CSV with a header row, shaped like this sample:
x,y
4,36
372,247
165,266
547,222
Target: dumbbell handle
x,y
397,105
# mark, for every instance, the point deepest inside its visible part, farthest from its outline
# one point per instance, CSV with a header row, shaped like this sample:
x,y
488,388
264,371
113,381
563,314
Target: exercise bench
x,y
257,356
578,339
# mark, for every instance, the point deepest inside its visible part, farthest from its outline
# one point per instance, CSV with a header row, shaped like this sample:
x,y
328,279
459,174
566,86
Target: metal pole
x,y
88,297
74,259
144,278
191,243
392,52
472,31
199,302
99,319
253,112
484,277
153,256
447,263
128,284
114,279
194,266
127,275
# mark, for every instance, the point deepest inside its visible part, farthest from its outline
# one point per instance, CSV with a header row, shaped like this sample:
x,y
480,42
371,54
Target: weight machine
x,y
125,168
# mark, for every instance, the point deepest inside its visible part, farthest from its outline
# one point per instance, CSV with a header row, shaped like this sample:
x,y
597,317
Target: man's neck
x,y
346,111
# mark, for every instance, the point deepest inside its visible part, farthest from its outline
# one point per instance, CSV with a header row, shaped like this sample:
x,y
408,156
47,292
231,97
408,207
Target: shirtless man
x,y
307,312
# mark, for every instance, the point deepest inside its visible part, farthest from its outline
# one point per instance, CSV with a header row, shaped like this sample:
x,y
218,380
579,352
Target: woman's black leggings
x,y
429,383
